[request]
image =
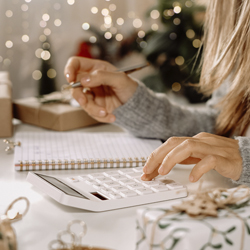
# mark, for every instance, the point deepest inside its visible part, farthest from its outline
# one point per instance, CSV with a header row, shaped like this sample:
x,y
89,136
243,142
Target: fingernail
x,y
67,75
102,112
191,178
85,79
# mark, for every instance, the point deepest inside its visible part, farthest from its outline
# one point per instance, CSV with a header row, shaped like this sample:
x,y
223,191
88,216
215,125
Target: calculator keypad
x,y
123,183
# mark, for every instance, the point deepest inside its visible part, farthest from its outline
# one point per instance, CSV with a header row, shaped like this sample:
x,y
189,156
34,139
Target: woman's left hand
x,y
207,151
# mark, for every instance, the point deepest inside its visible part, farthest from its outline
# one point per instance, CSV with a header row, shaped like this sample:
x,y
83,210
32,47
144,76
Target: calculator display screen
x,y
62,186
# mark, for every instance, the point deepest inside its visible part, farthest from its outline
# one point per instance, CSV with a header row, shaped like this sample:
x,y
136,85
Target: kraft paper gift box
x,y
158,228
58,116
6,113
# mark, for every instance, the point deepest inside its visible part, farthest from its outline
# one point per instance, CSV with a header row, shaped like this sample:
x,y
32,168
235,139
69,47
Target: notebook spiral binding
x,y
80,164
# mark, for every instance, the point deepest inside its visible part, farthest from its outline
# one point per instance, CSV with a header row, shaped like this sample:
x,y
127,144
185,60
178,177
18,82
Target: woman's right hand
x,y
108,88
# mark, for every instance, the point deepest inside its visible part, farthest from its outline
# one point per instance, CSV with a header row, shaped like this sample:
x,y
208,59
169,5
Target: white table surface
x,y
113,229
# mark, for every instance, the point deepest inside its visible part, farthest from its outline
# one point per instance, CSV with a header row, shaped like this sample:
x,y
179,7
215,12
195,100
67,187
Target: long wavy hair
x,y
226,54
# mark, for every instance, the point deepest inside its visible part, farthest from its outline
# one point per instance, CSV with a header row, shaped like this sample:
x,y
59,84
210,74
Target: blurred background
x,y
38,36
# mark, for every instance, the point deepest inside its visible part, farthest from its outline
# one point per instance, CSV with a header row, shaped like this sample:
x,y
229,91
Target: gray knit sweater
x,y
152,115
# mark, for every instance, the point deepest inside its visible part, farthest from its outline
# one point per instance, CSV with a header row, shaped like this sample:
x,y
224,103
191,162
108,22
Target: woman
x,y
213,138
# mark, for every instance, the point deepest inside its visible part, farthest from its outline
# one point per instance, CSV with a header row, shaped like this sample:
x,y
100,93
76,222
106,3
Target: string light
x,y
119,37
155,14
51,73
141,34
45,55
176,21
197,43
9,13
120,21
176,86
137,23
112,7
190,33
85,26
9,44
154,27
37,75
57,22
25,38
179,60
94,10
70,2
93,39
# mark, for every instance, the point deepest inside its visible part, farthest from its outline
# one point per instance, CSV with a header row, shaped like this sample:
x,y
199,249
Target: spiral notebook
x,y
80,150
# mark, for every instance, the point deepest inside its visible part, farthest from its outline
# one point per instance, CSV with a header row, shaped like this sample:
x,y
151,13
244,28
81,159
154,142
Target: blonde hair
x,y
226,53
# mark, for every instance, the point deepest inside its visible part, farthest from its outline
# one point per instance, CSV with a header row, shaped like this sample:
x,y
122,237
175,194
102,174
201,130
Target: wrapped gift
x,y
5,105
185,225
51,112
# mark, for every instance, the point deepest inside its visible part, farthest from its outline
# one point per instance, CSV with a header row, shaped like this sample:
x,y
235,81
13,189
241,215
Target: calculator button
x,y
135,186
118,177
106,190
91,182
150,183
126,171
95,175
143,191
111,173
83,177
128,193
127,181
111,184
160,188
174,186
138,179
102,179
119,188
115,196
133,175
97,186
73,179
138,169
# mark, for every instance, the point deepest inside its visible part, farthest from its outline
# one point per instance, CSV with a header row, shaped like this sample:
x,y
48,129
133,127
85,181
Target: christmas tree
x,y
174,49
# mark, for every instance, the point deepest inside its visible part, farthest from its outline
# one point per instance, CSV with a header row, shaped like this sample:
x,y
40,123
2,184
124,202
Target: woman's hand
x,y
207,151
108,89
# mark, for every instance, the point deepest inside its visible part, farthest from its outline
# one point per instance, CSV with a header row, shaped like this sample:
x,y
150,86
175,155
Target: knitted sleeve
x,y
150,114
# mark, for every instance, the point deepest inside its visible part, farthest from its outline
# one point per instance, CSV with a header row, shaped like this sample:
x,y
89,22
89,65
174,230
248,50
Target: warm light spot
x,y
154,14
177,9
137,23
9,13
176,21
47,31
94,10
37,75
188,4
92,39
141,34
25,38
45,55
70,2
112,7
45,17
197,43
190,34
113,30
179,60
38,52
119,37
27,1
105,12
108,19
43,24
176,87
24,7
85,26
108,35
57,22
154,27
46,46
42,38
9,44
120,21
51,73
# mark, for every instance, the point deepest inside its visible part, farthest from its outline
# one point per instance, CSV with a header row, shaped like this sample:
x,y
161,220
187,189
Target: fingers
x,y
77,65
205,150
149,177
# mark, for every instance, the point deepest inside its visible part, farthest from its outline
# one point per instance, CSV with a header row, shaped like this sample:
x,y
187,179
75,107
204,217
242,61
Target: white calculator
x,y
112,189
